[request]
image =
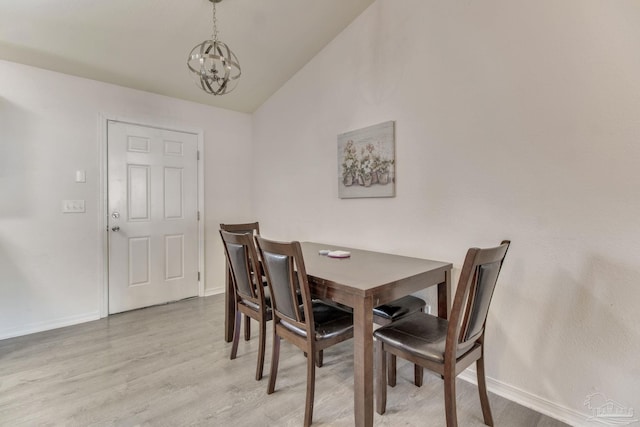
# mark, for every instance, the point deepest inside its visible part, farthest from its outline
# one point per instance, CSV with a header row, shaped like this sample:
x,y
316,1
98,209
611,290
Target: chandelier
x,y
214,67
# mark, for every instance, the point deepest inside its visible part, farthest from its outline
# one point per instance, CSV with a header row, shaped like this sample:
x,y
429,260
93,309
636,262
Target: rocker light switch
x,y
73,206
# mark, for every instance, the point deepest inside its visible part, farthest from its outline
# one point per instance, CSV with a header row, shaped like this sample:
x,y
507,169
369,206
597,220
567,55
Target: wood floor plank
x,y
169,366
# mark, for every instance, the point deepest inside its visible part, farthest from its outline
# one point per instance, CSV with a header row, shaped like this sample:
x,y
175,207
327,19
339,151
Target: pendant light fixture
x,y
215,68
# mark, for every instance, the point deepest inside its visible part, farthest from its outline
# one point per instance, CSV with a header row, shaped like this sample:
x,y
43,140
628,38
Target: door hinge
x,y
198,155
198,215
198,276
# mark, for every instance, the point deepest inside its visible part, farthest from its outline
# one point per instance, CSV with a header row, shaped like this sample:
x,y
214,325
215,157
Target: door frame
x,y
103,208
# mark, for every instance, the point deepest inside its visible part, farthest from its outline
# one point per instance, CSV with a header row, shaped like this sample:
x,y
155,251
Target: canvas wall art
x,y
366,162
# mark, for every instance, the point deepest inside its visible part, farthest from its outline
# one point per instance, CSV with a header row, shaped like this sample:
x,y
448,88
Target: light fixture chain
x,y
215,23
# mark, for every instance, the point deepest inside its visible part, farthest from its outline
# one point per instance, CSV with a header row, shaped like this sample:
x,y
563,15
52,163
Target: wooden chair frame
x,y
250,304
457,330
251,228
303,321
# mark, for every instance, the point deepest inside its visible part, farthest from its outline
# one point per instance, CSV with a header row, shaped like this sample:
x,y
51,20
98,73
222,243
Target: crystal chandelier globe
x,y
214,67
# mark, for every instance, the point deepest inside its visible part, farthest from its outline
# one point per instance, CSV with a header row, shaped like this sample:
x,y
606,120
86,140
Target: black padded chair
x,y
396,310
251,298
447,347
251,228
311,326
385,314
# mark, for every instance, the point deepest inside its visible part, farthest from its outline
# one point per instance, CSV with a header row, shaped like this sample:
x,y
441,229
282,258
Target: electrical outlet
x,y
73,206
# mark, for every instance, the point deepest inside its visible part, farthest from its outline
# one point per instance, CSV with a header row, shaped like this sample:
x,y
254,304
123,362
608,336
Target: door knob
x,y
116,228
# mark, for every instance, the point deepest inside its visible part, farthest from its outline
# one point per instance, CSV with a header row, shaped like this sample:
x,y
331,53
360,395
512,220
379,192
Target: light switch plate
x,y
73,206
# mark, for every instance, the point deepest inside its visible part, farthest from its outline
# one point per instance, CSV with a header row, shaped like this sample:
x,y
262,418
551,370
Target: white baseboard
x,y
213,291
48,325
529,400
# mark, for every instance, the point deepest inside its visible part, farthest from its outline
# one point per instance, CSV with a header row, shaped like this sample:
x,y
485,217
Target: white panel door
x,y
153,207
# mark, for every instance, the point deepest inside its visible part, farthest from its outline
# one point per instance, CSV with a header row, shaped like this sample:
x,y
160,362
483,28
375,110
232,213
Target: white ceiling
x,y
144,44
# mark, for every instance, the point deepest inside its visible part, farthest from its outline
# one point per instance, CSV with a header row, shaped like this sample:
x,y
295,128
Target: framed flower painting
x,y
366,162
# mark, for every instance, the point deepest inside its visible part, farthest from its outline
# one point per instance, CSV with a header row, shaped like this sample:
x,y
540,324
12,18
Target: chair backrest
x,y
473,296
242,260
250,227
287,280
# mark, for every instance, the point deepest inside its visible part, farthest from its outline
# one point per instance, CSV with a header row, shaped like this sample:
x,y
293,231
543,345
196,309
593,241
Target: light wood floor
x,y
169,366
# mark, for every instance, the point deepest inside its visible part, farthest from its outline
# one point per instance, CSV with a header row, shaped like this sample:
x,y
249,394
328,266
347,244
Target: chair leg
x,y
247,328
311,385
418,371
319,358
391,369
482,389
236,335
418,375
381,378
450,399
261,349
275,356
391,372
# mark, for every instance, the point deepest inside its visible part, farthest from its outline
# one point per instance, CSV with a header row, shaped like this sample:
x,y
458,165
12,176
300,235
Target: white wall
x,y
50,262
514,120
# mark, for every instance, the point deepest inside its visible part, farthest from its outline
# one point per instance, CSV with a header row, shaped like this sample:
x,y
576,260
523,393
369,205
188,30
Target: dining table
x,y
362,280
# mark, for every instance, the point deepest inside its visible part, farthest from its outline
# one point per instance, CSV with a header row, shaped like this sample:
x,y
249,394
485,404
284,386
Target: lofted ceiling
x,y
144,44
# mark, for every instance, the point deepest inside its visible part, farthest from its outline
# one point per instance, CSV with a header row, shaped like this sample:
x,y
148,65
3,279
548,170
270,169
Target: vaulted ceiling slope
x,y
143,44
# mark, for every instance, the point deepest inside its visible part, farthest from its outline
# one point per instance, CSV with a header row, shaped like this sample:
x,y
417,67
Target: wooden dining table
x,y
363,281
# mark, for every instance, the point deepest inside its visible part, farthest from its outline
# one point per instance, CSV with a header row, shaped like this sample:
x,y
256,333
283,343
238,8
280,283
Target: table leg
x,y
229,307
363,362
444,296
